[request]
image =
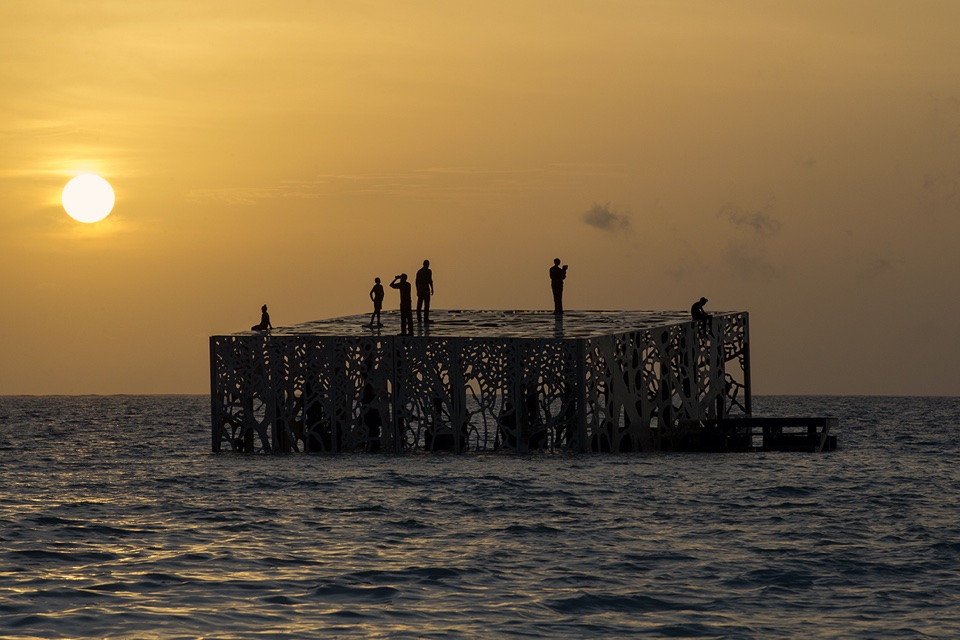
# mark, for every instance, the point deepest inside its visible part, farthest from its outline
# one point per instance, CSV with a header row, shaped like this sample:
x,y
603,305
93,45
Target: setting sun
x,y
88,198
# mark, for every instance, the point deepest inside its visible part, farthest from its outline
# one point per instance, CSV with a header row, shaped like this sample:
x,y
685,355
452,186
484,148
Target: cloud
x,y
749,263
760,222
605,218
939,189
939,193
746,255
878,265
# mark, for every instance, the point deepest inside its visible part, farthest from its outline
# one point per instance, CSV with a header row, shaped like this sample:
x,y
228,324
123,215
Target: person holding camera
x,y
557,275
406,304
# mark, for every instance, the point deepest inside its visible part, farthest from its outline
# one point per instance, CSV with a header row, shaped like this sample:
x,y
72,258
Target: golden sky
x,y
797,160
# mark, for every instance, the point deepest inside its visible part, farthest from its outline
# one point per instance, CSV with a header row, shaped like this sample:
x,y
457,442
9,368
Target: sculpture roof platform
x,y
470,323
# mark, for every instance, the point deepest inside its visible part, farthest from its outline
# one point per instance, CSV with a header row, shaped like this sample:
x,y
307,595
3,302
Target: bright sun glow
x,y
88,198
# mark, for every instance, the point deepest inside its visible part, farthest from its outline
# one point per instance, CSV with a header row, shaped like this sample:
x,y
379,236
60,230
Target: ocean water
x,y
117,522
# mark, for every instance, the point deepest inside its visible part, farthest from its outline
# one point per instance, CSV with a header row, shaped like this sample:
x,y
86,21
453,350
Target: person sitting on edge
x,y
406,304
376,294
264,321
697,312
424,291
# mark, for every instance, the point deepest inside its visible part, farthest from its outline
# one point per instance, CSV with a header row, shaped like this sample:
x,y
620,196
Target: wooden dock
x,y
745,433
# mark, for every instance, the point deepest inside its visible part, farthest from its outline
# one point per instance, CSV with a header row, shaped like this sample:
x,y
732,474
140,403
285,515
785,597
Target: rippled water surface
x,y
116,521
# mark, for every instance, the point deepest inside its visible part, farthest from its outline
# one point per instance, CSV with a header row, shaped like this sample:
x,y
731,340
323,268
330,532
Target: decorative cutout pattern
x,y
480,381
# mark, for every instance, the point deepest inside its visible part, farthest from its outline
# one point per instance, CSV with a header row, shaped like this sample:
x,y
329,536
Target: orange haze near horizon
x,y
799,160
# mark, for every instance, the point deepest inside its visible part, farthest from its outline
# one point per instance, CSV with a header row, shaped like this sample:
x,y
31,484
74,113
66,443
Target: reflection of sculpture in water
x,y
264,321
424,291
406,304
557,275
376,294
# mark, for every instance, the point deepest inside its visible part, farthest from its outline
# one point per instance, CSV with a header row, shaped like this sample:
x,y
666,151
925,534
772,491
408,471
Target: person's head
x,y
703,300
556,261
403,277
426,263
377,280
263,308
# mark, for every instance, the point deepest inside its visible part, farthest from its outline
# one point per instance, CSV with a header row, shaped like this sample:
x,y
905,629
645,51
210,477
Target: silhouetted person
x,y
376,294
406,304
697,312
701,317
424,291
557,275
264,321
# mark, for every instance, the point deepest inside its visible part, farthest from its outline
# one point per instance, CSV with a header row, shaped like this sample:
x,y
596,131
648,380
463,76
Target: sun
x,y
88,198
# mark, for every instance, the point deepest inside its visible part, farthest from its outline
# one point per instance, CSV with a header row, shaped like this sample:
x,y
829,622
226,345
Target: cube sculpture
x,y
481,381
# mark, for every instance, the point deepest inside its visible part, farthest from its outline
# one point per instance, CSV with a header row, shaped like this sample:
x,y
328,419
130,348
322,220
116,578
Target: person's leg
x,y
419,308
426,308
